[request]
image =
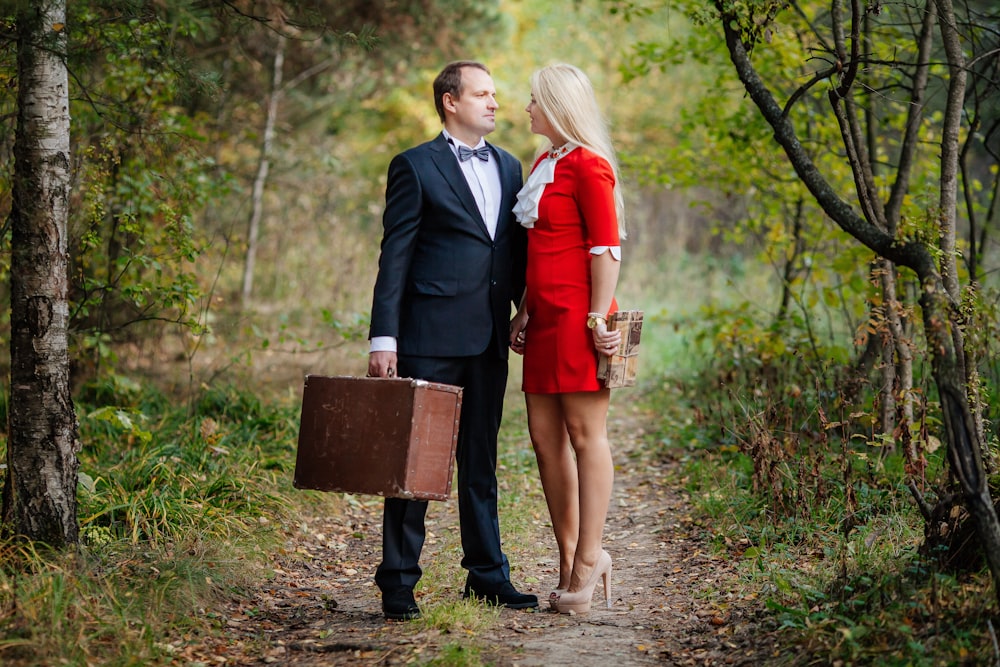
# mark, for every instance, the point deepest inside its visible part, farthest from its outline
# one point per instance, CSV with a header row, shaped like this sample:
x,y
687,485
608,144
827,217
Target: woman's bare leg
x,y
585,416
558,472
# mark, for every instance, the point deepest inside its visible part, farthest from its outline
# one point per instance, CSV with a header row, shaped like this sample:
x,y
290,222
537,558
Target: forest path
x,y
676,600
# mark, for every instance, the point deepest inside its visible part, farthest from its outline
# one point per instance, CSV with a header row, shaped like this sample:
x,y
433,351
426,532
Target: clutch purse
x,y
620,369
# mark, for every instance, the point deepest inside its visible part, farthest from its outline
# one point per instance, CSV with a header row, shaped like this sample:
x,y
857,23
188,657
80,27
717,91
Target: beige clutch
x,y
620,369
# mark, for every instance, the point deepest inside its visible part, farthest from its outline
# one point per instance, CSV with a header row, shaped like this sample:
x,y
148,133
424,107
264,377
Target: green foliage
x,y
149,477
140,177
754,195
980,311
816,352
168,117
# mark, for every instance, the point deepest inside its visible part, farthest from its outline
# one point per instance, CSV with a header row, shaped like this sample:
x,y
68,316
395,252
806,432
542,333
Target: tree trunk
x,y
39,499
895,395
939,310
948,204
897,371
263,167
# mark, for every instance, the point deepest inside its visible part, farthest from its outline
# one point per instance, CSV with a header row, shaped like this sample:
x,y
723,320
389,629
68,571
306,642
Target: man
x,y
451,266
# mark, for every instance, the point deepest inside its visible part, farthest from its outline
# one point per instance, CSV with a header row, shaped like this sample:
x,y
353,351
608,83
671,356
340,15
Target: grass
x,y
177,508
456,655
116,605
462,618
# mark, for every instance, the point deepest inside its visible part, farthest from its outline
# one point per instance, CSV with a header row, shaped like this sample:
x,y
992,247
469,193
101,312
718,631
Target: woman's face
x,y
540,124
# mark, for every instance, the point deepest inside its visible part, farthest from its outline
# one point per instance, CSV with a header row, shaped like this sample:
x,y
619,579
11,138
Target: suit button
x,y
493,283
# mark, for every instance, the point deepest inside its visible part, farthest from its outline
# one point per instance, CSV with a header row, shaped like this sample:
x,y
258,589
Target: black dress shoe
x,y
399,605
505,596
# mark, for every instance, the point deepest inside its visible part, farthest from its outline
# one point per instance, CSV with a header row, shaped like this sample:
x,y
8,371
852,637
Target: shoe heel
x,y
607,587
554,597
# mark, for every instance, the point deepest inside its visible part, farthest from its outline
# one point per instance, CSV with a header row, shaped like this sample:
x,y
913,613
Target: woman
x,y
571,205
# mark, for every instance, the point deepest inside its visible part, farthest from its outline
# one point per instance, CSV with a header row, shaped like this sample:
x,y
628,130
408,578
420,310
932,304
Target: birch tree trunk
x,y
39,499
263,166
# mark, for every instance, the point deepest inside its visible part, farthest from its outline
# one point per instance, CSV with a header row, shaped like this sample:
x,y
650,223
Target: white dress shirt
x,y
483,179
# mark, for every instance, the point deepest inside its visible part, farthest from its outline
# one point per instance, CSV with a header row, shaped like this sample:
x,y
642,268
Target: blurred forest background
x,y
229,165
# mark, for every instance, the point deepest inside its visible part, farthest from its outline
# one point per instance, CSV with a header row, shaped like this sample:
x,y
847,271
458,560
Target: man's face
x,y
473,115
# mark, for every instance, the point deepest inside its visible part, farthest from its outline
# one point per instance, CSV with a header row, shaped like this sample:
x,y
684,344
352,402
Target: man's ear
x,y
448,102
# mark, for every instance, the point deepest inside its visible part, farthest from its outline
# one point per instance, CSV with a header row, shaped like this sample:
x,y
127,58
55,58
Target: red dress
x,y
575,213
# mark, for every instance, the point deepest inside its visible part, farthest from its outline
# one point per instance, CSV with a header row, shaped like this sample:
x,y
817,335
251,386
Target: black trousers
x,y
484,381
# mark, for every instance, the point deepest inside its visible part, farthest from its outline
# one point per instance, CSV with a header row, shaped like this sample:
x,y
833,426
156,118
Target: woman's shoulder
x,y
584,157
583,160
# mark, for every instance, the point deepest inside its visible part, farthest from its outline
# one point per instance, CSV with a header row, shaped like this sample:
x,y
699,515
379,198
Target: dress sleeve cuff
x,y
616,251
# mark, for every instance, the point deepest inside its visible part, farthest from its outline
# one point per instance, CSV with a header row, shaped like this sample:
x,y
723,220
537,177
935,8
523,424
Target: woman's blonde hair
x,y
566,97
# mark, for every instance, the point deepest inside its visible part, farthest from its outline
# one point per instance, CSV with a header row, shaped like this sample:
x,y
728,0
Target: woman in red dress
x,y
571,205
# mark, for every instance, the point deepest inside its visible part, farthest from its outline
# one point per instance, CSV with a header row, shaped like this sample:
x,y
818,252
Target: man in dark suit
x,y
451,267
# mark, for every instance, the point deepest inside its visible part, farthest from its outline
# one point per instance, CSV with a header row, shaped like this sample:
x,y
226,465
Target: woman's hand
x,y
606,342
518,325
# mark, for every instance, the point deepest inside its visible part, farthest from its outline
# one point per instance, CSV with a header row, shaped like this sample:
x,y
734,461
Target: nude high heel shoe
x,y
579,601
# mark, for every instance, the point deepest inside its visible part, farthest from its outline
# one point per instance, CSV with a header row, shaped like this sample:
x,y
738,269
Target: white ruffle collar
x,y
526,208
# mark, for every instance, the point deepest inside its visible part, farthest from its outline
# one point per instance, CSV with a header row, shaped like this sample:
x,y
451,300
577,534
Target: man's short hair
x,y
450,81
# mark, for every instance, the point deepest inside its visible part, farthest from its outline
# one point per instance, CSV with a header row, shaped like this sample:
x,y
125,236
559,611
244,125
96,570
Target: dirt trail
x,y
675,601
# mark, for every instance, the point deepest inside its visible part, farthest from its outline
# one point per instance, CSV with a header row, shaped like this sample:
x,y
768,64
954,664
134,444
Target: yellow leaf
x,y
58,27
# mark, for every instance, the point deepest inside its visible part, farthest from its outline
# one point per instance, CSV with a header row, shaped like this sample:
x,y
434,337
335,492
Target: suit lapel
x,y
447,164
506,191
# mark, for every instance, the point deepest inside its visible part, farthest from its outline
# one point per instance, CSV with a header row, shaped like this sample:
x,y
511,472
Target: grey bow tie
x,y
465,154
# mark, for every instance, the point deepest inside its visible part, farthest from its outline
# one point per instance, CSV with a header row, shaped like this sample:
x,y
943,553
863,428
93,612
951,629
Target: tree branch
x,y
910,254
847,117
822,75
915,113
850,64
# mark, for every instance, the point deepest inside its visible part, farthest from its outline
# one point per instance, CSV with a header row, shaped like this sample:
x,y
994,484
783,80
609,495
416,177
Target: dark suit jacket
x,y
444,287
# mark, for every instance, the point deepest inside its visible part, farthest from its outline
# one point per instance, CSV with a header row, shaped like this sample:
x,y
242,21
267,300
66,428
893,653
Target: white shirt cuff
x,y
382,344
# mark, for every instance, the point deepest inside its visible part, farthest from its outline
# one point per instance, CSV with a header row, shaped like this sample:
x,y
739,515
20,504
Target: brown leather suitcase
x,y
392,437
